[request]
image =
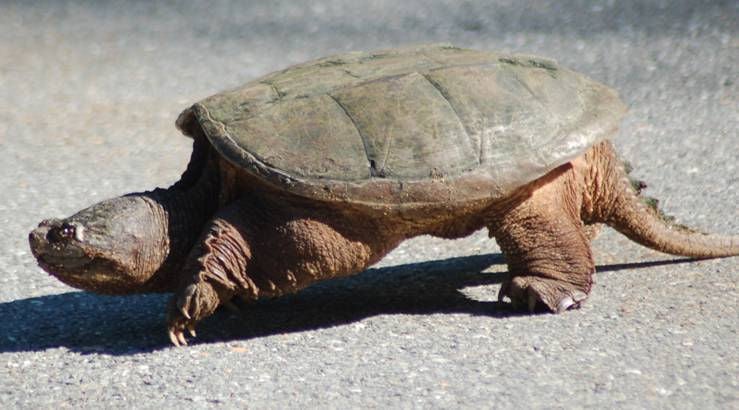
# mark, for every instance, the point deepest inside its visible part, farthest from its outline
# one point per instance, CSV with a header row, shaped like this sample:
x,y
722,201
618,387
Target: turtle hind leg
x,y
547,248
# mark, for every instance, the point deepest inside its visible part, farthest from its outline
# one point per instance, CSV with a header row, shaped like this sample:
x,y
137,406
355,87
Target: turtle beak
x,y
55,244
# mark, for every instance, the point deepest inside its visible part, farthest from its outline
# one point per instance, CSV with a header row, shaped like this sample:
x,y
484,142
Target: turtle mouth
x,y
58,248
96,275
60,252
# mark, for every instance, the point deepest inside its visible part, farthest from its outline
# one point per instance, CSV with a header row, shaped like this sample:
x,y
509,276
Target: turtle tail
x,y
618,203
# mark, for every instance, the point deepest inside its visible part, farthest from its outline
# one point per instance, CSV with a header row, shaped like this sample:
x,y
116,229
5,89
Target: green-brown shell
x,y
425,124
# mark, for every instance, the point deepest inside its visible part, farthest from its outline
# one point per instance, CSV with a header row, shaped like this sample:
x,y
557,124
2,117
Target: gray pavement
x,y
88,95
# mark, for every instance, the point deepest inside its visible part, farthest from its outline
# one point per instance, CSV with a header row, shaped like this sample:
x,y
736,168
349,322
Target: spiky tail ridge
x,y
618,203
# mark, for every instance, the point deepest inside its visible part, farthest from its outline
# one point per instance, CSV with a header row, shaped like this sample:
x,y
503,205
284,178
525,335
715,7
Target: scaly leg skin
x,y
212,275
547,249
195,302
253,250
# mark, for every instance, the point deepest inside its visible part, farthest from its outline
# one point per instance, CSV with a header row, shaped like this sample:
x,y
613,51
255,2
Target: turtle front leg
x,y
547,248
214,272
254,249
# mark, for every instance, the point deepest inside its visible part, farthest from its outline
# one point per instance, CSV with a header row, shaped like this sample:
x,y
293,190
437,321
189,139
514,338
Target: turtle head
x,y
113,247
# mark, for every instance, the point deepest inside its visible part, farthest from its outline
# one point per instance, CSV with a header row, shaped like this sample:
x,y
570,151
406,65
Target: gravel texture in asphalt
x,y
88,96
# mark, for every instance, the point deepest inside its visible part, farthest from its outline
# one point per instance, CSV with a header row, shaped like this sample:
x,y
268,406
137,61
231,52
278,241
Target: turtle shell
x,y
427,124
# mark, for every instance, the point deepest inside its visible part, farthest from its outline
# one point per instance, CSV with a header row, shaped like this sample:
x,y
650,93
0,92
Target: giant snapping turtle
x,y
321,169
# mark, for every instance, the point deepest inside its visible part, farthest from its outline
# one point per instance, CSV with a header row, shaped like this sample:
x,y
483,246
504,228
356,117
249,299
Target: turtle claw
x,y
176,332
173,338
571,301
177,338
188,307
532,291
565,304
181,338
180,320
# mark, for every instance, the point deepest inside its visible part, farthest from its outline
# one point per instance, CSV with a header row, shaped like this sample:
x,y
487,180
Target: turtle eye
x,y
67,230
60,233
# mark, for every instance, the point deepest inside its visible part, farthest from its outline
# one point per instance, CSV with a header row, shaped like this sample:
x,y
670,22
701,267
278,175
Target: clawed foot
x,y
187,308
176,332
530,291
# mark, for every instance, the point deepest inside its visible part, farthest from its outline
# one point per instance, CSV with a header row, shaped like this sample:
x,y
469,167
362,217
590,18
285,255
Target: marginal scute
x,y
531,61
411,125
241,102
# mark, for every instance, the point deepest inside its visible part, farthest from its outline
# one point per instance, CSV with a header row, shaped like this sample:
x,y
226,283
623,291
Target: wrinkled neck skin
x,y
178,217
131,244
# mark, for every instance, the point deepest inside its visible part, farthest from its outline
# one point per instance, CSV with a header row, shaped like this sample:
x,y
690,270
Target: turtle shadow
x,y
121,325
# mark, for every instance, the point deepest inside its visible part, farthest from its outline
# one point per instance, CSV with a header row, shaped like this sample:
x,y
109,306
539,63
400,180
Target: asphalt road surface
x,y
89,92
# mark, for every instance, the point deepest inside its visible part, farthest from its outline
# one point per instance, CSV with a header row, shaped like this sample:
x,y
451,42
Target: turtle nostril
x,y
39,240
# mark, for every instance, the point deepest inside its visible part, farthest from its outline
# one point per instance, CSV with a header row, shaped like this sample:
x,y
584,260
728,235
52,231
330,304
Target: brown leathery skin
x,y
135,243
185,208
545,244
257,248
263,242
615,201
546,236
121,243
269,242
321,169
289,242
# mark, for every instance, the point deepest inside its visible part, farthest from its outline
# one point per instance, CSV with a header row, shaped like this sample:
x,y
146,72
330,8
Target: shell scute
x,y
414,125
